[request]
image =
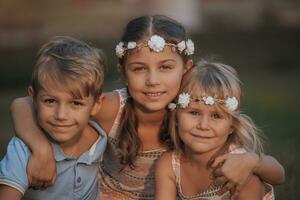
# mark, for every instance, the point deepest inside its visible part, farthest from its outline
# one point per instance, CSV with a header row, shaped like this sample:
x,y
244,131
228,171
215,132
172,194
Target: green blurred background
x,y
260,38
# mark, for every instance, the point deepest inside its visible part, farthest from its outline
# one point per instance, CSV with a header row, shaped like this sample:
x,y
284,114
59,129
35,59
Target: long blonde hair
x,y
219,81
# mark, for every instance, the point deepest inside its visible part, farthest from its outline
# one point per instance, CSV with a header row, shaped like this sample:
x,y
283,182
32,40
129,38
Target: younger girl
x,y
207,123
154,53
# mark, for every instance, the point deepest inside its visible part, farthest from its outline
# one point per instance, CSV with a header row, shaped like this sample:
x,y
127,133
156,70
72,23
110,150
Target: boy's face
x,y
63,116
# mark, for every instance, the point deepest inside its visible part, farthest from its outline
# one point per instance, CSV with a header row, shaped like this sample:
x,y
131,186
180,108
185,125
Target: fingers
x,y
221,180
227,187
219,160
217,172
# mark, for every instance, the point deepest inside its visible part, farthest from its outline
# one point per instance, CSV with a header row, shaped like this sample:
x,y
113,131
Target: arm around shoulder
x,y
165,181
25,125
253,190
108,110
270,170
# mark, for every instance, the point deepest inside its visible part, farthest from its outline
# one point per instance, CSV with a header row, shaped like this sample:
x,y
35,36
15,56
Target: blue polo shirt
x,y
76,178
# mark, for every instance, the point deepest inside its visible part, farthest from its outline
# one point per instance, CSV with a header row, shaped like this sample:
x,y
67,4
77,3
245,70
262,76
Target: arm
x,y
7,192
237,169
165,183
253,190
41,167
270,170
108,111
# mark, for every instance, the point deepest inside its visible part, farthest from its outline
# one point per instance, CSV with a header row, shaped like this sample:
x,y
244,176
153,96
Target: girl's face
x,y
203,128
153,79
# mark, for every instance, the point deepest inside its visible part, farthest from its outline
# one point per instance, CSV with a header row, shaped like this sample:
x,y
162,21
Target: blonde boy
x,y
65,90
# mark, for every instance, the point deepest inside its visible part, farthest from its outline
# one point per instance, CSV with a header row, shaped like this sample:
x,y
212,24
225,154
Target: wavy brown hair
x,y
140,29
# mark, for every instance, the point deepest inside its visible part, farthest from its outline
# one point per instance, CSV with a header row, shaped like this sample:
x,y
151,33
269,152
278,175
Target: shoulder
x,y
164,164
16,147
13,165
108,111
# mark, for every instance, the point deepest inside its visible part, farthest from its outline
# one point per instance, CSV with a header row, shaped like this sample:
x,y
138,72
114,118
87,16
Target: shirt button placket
x,y
78,182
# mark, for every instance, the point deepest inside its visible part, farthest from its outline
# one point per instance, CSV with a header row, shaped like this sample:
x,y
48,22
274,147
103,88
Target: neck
x,y
150,118
199,159
80,144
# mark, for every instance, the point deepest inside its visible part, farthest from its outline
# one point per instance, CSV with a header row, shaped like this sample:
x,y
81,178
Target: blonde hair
x,y
71,63
219,81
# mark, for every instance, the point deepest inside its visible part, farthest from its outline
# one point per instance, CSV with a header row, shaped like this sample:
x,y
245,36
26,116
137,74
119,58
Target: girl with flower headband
x,y
205,123
154,54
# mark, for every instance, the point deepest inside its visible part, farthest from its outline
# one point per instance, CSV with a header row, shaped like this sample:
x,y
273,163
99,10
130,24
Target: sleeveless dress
x,y
117,182
213,193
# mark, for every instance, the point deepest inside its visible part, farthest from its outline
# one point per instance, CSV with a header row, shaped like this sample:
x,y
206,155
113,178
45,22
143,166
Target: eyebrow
x,y
162,61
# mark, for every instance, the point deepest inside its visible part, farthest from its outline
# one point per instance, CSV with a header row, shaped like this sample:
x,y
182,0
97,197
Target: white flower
x,y
131,45
232,103
171,106
181,46
184,100
208,100
156,43
120,50
190,48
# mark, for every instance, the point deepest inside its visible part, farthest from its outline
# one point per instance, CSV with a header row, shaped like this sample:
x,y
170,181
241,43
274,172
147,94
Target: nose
x,y
61,112
203,123
152,78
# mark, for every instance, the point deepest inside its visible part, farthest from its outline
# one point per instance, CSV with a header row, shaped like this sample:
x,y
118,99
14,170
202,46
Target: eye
x,y
194,112
166,67
216,116
138,69
49,101
77,103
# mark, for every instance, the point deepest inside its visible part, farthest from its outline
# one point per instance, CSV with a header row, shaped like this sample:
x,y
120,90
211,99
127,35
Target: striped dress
x,y
123,184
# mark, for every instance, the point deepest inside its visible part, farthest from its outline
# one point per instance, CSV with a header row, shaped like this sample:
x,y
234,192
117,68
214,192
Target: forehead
x,y
145,55
209,108
68,87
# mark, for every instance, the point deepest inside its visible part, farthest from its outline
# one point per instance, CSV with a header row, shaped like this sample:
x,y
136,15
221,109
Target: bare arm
x,y
41,167
165,183
10,193
270,170
237,169
253,190
108,111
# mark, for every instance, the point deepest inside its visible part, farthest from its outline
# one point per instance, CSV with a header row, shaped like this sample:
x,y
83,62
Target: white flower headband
x,y
184,100
157,44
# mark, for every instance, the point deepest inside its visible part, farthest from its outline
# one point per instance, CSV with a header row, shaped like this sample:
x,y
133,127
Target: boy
x,y
65,90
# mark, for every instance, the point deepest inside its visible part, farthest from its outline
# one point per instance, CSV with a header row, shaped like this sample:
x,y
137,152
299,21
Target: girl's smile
x,y
203,128
153,79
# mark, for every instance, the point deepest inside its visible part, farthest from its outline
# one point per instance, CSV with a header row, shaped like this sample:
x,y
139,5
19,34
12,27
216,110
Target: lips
x,y
153,94
61,125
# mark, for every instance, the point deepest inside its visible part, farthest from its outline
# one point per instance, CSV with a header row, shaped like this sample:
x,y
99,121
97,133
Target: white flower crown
x,y
157,44
184,100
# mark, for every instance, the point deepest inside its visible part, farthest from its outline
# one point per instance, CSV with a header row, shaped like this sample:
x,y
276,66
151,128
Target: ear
x,y
30,92
188,65
121,70
97,105
231,129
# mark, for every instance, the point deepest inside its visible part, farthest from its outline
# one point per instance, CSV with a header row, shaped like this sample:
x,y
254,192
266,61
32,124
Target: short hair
x,y
69,63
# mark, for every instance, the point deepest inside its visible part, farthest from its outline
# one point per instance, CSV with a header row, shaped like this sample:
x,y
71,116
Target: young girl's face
x,y
153,78
203,128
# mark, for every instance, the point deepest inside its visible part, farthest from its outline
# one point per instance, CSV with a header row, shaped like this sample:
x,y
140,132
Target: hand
x,y
41,168
235,170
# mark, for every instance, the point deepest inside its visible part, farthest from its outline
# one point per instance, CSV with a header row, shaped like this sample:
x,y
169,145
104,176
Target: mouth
x,y
61,125
201,136
154,95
